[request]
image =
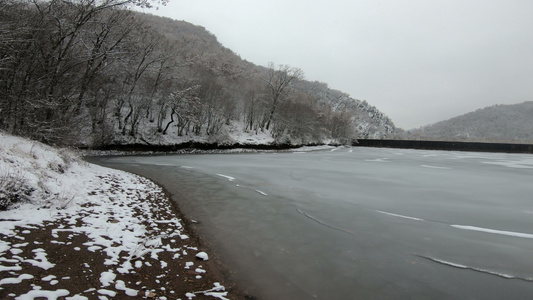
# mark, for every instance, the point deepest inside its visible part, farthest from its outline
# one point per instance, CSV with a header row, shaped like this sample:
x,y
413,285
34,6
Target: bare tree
x,y
278,81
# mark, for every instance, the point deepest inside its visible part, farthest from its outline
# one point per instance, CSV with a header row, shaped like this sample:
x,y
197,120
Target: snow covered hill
x,y
128,78
498,123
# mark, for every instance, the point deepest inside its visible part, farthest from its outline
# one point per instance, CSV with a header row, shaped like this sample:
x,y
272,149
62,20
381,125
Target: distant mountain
x,y
498,123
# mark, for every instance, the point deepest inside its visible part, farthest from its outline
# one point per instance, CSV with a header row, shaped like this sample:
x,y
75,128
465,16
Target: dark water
x,y
360,224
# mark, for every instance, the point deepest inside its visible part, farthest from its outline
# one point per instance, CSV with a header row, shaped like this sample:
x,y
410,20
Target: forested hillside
x,y
94,72
498,123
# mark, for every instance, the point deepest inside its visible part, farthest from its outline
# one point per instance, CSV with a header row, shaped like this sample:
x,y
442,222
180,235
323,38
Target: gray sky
x,y
418,61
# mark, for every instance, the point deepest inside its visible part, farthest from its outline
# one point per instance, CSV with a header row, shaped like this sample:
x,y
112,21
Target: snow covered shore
x,y
80,231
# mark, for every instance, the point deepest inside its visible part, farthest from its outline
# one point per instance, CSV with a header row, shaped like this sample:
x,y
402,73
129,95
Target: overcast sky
x,y
418,61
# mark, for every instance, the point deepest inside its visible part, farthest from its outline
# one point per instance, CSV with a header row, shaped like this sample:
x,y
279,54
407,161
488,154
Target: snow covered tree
x,y
278,81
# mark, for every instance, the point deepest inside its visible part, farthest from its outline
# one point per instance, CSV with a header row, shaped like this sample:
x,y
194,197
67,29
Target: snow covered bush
x,y
13,188
35,173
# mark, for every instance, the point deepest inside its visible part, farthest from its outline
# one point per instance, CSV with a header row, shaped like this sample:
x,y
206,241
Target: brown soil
x,y
78,270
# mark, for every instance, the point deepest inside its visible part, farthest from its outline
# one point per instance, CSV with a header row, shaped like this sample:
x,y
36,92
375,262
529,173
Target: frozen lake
x,y
360,223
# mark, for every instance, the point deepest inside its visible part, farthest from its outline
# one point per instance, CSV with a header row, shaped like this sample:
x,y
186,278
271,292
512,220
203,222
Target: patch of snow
x,y
43,294
77,297
120,285
40,260
16,280
377,160
10,268
109,293
262,193
202,255
106,278
48,278
15,251
218,292
399,216
435,167
227,177
502,232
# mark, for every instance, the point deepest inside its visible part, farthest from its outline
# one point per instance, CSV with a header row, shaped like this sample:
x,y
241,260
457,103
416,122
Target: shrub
x,y
13,189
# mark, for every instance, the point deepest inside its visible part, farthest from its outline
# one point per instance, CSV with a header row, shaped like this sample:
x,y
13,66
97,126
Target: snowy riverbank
x,y
81,231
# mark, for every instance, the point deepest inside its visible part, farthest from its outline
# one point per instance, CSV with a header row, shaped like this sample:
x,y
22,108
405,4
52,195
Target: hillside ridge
x,y
496,123
109,75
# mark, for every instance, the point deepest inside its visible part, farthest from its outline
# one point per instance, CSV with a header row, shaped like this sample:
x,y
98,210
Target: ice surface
x,y
378,160
526,163
343,191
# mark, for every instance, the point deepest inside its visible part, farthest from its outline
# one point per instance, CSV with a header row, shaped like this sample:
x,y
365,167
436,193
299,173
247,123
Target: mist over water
x,y
360,223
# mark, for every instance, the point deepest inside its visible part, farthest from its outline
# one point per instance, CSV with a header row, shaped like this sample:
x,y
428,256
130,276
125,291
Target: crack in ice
x,y
465,267
323,223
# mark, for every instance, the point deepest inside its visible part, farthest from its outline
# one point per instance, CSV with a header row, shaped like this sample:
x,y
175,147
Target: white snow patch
x,y
10,268
227,177
48,278
107,292
43,294
435,167
106,278
262,193
77,297
15,251
377,160
218,292
399,216
40,260
15,280
202,255
502,232
121,285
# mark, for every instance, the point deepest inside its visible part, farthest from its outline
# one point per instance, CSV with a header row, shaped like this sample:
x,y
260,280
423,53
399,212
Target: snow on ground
x,y
71,219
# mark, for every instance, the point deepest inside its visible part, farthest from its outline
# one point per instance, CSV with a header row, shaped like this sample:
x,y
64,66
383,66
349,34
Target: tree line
x,y
94,72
